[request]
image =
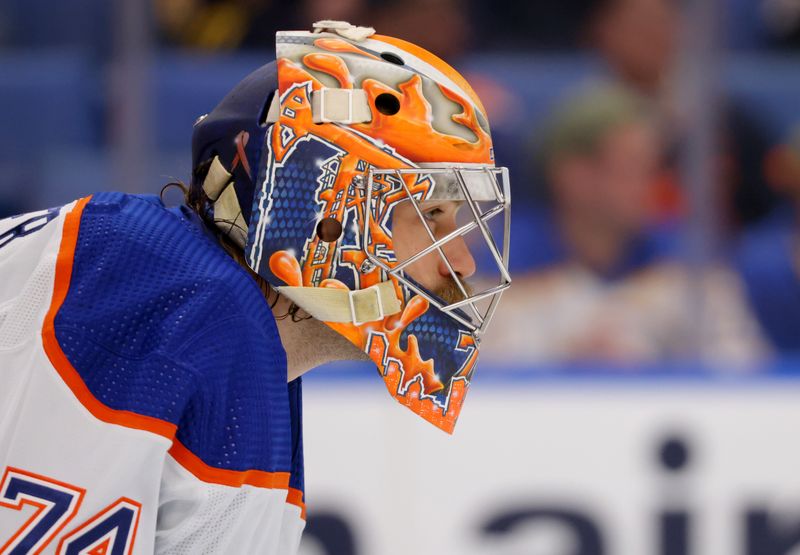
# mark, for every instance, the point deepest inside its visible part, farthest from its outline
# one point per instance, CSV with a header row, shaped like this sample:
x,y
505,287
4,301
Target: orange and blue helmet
x,y
308,165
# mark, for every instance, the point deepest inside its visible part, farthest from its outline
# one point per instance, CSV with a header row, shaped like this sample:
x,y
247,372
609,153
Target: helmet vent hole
x,y
387,104
392,58
329,229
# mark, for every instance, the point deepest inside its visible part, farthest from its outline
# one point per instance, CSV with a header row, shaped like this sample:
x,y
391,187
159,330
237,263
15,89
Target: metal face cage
x,y
470,184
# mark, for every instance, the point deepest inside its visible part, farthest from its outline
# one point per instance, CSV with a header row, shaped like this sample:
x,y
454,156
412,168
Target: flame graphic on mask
x,y
410,130
338,45
409,378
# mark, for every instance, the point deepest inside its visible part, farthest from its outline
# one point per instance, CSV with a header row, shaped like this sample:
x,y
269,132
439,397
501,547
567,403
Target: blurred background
x,y
640,391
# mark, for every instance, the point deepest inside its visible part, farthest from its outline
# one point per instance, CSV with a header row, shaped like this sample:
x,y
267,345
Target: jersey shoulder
x,y
160,268
157,315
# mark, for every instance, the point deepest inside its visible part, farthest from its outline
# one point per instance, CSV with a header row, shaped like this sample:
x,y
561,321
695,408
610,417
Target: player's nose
x,y
460,259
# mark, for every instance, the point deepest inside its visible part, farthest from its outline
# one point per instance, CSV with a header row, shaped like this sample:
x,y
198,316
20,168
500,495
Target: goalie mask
x,y
357,173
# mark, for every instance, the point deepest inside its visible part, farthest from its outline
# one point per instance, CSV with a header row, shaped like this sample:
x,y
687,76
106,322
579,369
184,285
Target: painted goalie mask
x,y
357,173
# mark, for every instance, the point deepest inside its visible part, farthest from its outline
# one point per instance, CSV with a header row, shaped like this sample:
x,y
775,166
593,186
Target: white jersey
x,y
144,405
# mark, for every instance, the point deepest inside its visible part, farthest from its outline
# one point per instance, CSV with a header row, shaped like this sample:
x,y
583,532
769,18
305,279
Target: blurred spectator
x,y
769,255
617,293
353,11
223,24
600,155
638,39
441,26
520,24
781,20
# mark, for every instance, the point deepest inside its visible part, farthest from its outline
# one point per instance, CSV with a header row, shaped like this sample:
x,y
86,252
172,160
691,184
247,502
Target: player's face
x,y
410,237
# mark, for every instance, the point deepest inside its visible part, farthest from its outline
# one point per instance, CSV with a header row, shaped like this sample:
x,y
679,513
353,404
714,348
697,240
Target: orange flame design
x,y
413,393
338,45
332,65
410,130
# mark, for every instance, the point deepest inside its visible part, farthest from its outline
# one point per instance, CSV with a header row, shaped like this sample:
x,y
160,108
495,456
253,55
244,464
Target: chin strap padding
x,y
218,186
330,304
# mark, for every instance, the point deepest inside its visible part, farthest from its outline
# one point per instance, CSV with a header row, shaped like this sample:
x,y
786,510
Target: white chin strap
x,y
329,304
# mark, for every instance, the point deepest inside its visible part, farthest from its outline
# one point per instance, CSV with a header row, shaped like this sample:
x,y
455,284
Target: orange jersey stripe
x,y
295,497
234,478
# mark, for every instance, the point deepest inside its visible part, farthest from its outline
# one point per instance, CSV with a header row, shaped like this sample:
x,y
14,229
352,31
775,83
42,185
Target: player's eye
x,y
432,213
